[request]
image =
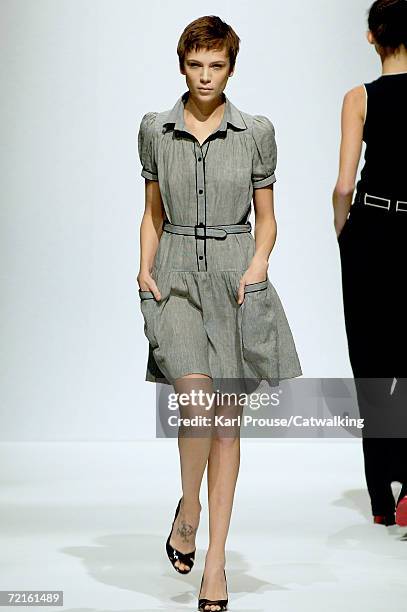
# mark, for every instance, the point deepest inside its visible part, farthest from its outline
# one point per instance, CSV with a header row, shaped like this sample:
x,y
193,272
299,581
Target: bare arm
x,y
352,120
265,232
150,234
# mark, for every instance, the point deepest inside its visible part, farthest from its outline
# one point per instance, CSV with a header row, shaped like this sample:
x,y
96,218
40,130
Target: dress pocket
x,y
259,286
343,230
259,330
149,309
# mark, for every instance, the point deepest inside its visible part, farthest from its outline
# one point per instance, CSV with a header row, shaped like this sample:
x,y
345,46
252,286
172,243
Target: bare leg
x,y
193,452
223,469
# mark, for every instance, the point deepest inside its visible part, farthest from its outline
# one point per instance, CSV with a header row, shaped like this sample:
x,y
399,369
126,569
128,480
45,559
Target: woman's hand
x,y
147,283
338,229
338,225
256,272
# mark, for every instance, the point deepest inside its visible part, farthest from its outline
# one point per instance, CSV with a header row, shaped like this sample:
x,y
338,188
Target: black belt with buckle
x,y
363,198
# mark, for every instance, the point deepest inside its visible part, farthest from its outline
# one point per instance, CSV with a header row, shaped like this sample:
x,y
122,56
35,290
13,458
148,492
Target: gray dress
x,y
198,326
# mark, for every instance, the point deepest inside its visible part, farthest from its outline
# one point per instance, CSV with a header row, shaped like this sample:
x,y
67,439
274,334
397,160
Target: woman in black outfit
x,y
373,248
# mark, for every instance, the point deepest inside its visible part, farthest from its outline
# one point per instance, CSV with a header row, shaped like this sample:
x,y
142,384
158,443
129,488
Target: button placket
x,y
201,207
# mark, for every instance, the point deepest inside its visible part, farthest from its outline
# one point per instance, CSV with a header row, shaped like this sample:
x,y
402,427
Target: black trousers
x,y
373,250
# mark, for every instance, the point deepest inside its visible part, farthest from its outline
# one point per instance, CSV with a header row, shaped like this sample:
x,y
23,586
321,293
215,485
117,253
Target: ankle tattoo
x,y
185,530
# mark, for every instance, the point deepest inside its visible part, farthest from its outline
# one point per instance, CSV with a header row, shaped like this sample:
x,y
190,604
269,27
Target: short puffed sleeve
x,y
265,152
146,147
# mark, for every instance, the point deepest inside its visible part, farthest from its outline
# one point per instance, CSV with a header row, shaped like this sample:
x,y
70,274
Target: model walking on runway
x,y
373,249
210,310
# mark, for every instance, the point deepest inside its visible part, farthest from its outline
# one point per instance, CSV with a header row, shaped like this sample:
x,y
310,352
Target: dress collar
x,y
231,115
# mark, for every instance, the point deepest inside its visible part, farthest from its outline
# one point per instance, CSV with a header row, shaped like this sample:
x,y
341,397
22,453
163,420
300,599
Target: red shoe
x,y
401,512
381,519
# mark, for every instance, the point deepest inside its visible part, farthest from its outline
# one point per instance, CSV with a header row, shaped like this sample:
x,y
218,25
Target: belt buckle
x,y
200,225
403,207
367,195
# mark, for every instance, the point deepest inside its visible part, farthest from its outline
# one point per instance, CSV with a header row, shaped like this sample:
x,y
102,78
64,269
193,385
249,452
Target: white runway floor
x,y
91,519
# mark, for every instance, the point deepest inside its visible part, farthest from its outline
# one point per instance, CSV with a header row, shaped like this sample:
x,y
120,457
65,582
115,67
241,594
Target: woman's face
x,y
206,73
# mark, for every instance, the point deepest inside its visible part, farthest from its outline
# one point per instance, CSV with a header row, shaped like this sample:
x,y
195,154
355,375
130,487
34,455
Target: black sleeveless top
x,y
384,173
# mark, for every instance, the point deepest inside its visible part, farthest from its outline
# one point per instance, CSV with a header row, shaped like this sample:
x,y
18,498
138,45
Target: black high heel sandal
x,y
222,603
175,555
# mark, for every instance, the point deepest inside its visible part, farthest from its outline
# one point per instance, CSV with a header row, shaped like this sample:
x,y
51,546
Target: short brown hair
x,y
208,32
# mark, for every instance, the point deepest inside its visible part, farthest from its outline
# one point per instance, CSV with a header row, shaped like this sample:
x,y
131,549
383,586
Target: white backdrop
x,y
76,78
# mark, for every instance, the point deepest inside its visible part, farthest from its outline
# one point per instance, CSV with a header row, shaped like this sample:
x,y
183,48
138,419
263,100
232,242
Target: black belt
x,y
363,198
202,231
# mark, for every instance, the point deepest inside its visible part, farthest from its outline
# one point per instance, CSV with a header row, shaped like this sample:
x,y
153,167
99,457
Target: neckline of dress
x,y
393,73
184,98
